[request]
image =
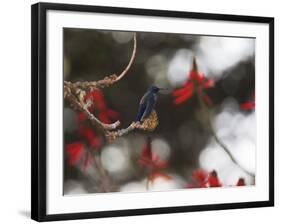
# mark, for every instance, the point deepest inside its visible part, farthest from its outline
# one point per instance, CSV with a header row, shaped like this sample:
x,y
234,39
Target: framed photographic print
x,y
138,111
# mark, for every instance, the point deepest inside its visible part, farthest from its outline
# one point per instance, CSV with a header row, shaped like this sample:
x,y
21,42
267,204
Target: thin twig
x,y
112,135
108,80
95,120
217,139
131,60
105,182
147,184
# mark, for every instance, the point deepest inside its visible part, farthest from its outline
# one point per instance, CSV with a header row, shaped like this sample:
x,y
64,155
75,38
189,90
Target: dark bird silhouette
x,y
147,103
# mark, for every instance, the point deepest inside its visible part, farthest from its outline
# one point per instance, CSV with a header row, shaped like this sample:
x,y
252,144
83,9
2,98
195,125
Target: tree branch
x,y
216,138
75,92
131,60
79,104
149,124
108,80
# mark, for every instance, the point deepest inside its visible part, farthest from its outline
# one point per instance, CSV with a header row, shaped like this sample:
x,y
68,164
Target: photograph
x,y
137,112
152,111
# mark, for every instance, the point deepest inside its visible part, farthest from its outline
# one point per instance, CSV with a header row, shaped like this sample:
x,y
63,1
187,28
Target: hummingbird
x,y
147,103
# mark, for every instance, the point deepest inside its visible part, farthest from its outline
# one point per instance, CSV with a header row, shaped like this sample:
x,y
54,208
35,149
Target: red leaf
x,y
184,97
248,106
149,159
213,180
74,152
203,179
200,176
197,77
103,117
97,95
146,151
99,101
90,136
157,162
186,88
112,114
241,182
196,81
146,154
209,84
99,107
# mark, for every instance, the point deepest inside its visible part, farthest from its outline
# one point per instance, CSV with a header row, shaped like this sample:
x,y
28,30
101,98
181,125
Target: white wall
x,y
15,109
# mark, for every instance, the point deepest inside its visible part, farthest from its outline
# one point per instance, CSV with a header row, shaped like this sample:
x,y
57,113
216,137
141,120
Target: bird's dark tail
x,y
140,113
138,118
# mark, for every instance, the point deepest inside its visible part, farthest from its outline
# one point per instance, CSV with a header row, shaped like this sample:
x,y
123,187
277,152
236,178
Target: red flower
x,y
153,163
200,178
149,159
77,153
203,179
196,82
213,180
98,107
241,182
89,135
249,105
74,152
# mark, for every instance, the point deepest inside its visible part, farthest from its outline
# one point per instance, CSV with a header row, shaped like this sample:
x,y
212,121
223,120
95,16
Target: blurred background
x,y
181,139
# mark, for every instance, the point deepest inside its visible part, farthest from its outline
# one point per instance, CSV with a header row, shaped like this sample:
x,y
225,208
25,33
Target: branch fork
x,y
75,93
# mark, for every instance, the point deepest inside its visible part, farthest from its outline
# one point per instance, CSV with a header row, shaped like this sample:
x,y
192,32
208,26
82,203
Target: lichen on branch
x,y
149,124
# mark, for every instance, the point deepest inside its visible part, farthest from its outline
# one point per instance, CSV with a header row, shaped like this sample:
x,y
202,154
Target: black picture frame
x,y
38,116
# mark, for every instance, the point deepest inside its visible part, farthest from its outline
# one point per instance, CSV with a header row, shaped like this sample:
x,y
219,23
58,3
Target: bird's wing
x,y
149,107
140,112
142,106
144,98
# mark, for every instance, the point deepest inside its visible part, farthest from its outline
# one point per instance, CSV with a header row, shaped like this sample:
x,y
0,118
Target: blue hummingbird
x,y
147,103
